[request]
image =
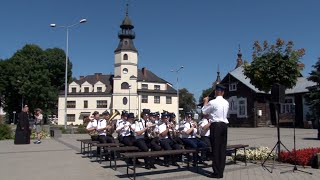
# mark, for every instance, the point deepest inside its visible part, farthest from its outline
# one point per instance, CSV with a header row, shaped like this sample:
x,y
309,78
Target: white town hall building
x,y
129,89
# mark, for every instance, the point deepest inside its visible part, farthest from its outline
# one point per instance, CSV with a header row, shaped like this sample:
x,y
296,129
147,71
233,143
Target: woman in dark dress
x,y
23,129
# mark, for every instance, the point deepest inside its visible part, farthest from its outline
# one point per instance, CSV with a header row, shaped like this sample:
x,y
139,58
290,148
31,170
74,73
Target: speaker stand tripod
x,y
295,168
277,146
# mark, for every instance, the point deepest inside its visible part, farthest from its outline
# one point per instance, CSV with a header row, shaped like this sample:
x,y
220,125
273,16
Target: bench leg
x,y
81,147
110,160
188,157
245,156
100,155
134,168
235,156
115,160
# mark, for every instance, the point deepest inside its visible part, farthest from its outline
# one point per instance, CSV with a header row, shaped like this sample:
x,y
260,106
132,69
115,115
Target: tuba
x,y
110,122
116,113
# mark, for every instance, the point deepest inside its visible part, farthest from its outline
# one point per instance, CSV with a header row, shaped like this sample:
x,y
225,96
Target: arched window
x,y
125,101
125,57
124,85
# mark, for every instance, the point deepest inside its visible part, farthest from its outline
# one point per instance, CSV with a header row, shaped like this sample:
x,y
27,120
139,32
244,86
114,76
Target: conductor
x,y
218,110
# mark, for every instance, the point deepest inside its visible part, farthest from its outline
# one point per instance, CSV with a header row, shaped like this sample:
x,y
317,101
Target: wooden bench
x,y
115,150
89,144
235,147
135,155
103,147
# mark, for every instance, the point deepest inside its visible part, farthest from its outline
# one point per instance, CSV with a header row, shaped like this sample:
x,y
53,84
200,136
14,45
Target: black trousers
x,y
127,140
218,136
155,144
207,141
169,144
144,146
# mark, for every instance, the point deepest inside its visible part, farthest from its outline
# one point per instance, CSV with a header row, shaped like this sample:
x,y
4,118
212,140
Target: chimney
x,y
81,77
144,72
239,59
98,76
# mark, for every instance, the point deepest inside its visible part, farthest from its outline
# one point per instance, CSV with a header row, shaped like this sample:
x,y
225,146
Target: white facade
x,y
128,89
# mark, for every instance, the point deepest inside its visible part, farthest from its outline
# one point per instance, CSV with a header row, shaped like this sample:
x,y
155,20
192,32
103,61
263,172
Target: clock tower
x,y
125,69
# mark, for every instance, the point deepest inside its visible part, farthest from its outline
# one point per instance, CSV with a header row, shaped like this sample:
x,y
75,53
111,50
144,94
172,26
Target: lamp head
x,y
83,20
52,25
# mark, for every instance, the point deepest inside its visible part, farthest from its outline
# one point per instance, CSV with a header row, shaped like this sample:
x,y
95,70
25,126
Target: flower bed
x,y
253,154
303,156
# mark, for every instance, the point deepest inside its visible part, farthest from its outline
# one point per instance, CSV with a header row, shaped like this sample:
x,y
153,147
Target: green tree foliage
x,y
313,97
5,132
186,100
205,93
278,63
34,76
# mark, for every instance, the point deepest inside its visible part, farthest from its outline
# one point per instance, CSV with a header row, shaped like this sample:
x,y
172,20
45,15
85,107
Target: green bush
x,y
63,130
5,132
81,129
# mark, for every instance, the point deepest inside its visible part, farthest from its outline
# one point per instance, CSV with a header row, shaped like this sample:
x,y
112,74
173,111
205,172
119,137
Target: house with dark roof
x,y
250,107
129,88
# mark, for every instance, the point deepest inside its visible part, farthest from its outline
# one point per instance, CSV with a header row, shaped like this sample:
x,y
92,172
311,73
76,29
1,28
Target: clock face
x,y
125,71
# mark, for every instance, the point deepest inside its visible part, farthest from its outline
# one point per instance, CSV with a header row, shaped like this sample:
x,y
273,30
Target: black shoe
x,y
153,167
147,167
175,164
217,176
204,163
138,162
166,164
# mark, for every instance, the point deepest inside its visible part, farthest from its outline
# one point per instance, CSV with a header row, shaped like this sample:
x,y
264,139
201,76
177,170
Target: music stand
x,y
295,168
277,146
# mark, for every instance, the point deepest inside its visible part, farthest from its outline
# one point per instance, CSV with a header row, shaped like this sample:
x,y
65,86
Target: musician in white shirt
x,y
204,128
218,110
92,125
189,133
166,141
140,127
125,131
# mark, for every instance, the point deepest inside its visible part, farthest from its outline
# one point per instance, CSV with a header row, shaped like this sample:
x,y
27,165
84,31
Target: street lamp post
x,y
129,97
177,72
66,70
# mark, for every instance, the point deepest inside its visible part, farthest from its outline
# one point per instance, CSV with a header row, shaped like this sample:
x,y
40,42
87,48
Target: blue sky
x,y
169,33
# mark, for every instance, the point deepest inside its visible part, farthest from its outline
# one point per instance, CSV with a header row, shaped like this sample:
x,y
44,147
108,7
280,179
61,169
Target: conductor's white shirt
x,y
218,109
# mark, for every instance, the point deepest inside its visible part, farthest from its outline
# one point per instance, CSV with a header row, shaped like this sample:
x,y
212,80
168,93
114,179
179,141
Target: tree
x,y
278,63
205,93
35,77
186,100
313,97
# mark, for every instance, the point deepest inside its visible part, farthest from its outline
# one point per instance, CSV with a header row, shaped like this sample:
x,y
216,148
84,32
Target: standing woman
x,y
23,129
218,110
38,122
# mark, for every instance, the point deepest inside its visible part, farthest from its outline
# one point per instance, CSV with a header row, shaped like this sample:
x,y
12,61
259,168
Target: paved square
x,y
59,159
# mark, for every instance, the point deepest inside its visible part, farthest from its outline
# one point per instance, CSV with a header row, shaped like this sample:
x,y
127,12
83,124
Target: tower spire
x,y
218,80
127,9
126,34
239,59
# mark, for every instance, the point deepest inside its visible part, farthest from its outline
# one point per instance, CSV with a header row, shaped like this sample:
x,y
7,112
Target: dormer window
x,y
86,89
233,87
73,90
144,86
156,87
99,89
125,57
